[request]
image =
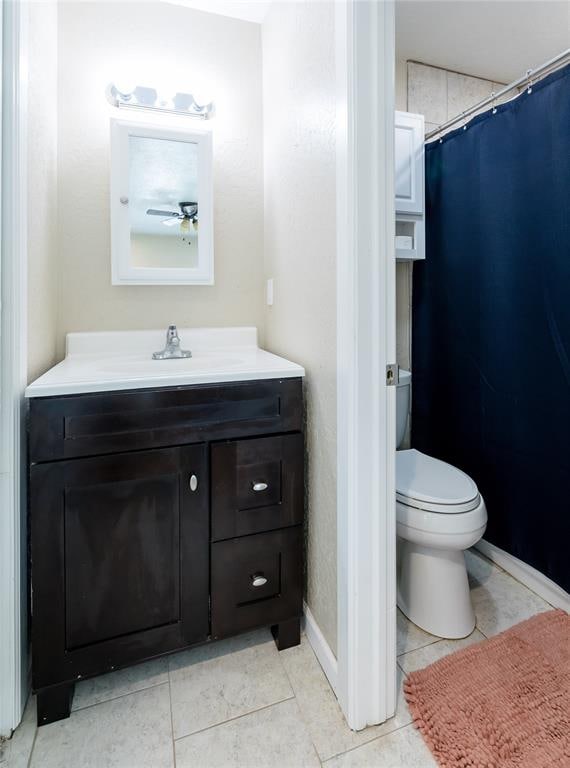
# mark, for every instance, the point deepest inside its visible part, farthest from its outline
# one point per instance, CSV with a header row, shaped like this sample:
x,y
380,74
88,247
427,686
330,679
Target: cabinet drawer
x,y
256,580
94,424
257,485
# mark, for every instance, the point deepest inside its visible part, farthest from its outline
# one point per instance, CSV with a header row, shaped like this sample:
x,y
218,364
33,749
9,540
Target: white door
x,y
366,415
13,609
409,160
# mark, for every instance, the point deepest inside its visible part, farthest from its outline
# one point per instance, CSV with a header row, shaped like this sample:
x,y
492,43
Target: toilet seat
x,y
436,503
431,485
412,522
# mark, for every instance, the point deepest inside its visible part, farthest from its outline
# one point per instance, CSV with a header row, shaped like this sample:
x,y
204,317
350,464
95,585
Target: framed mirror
x,y
161,206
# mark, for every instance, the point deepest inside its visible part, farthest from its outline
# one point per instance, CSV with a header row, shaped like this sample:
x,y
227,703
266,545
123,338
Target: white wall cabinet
x,y
409,186
409,155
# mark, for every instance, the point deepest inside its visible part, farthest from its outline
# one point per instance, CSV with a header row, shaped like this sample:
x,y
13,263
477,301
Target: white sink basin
x,y
143,366
118,360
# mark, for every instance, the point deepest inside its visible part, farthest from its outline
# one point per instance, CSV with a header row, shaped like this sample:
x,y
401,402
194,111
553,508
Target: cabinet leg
x,y
54,703
287,634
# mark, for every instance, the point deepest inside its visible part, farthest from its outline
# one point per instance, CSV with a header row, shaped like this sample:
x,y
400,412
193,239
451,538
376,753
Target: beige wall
x,y
401,95
300,255
155,43
42,189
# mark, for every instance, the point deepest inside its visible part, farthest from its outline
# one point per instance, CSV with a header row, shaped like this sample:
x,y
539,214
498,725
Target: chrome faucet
x,y
172,349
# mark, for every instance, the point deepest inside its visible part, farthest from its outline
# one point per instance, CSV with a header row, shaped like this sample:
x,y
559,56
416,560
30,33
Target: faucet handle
x,y
172,336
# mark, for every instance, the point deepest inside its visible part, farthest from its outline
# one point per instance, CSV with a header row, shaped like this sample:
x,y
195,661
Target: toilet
x,y
439,514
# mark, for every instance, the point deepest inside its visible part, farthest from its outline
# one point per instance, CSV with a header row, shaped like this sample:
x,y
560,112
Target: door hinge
x,y
392,370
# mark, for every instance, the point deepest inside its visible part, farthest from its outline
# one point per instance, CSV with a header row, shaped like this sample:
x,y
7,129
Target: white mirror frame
x,y
122,270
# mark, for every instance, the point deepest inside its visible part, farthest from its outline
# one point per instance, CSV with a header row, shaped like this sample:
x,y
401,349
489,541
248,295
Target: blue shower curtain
x,y
491,319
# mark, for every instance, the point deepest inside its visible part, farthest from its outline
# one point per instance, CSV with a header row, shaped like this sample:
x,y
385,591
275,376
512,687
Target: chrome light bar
x,y
143,97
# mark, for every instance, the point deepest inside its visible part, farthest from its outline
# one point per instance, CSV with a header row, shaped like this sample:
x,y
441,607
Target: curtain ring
x,y
464,121
494,103
529,81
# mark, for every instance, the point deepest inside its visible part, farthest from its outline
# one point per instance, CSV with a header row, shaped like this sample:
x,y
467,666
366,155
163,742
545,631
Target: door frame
x,y
366,343
14,678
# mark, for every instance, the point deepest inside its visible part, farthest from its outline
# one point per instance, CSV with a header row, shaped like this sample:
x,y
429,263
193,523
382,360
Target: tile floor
x,y
239,703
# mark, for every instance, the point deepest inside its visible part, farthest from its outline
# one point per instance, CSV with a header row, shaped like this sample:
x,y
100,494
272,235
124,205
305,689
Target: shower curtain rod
x,y
529,78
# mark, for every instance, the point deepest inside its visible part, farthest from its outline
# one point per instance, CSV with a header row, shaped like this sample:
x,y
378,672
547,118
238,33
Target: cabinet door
x,y
119,560
409,157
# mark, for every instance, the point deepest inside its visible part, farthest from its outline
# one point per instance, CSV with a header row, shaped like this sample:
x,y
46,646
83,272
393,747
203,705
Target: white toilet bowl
x,y
433,589
439,514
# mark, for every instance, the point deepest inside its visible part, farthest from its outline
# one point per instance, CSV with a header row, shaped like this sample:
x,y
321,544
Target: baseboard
x,y
527,575
322,649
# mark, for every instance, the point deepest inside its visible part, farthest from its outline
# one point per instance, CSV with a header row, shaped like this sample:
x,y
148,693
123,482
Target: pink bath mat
x,y
503,703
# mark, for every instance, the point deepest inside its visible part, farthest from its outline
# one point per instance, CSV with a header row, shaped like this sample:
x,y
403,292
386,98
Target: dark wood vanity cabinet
x,y
160,519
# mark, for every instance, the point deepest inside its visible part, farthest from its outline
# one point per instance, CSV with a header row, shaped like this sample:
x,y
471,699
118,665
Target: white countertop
x,y
115,360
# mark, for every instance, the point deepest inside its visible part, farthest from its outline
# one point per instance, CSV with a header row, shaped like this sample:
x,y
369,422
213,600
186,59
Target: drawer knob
x,y
193,483
258,580
260,487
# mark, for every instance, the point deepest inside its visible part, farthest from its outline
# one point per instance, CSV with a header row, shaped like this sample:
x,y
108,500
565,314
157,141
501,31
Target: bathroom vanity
x,y
166,502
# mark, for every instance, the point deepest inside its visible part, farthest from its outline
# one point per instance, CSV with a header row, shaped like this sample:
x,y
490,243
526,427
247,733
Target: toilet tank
x,y
402,404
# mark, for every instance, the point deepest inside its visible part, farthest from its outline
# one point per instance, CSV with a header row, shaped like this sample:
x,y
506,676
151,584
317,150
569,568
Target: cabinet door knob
x,y
260,487
258,580
193,483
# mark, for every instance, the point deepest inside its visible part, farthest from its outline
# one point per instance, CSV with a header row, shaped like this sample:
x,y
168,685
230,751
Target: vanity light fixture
x,y
143,97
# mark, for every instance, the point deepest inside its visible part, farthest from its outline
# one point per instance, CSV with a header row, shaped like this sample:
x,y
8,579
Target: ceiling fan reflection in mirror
x,y
188,215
